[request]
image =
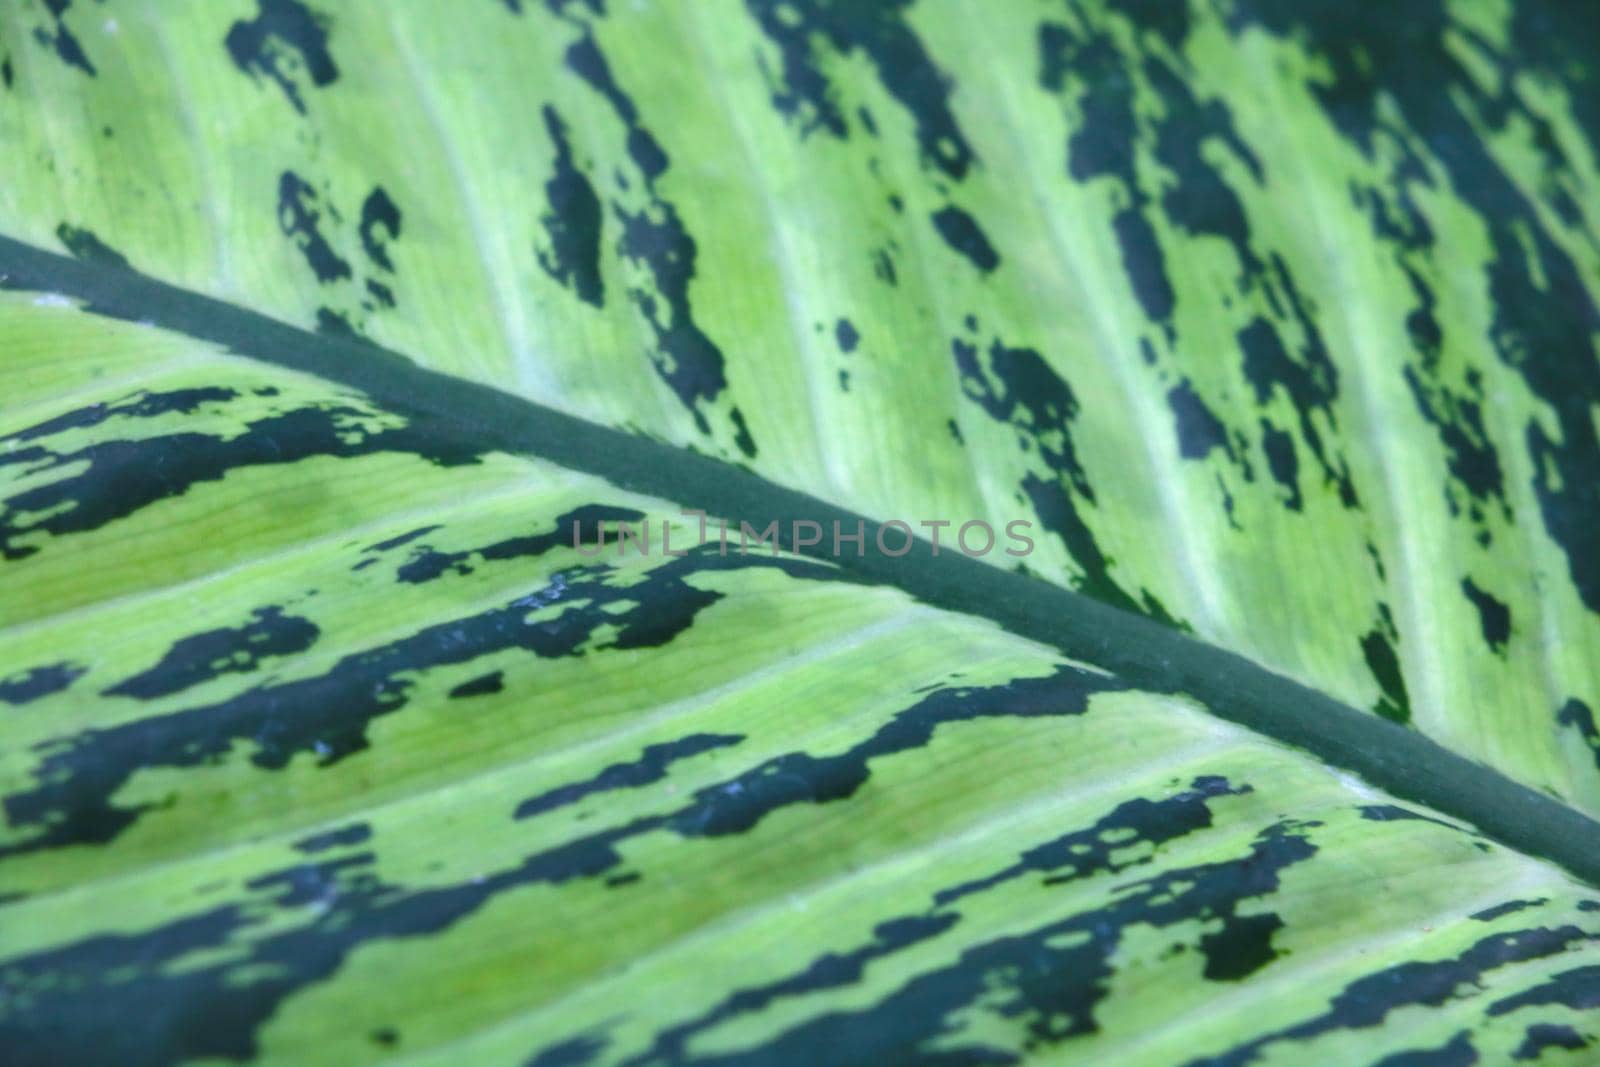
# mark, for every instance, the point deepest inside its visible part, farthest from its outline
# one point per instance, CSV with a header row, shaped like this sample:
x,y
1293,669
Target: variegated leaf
x,y
322,741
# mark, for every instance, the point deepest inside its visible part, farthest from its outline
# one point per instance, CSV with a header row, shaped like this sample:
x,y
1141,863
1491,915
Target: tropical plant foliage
x,y
321,741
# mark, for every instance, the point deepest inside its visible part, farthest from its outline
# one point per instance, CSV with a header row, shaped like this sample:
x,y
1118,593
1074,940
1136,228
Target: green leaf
x,y
323,741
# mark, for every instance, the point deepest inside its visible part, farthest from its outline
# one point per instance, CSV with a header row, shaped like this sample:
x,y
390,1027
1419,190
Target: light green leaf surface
x,y
320,742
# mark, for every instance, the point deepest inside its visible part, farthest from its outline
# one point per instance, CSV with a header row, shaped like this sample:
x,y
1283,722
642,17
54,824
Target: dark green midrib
x,y
1143,652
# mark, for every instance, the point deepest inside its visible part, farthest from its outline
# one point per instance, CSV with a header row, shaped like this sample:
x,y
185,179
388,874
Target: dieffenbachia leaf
x,y
1276,322
332,744
322,741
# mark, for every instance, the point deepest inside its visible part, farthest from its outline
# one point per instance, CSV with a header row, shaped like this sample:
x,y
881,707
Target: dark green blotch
x,y
585,59
35,683
687,359
1541,1036
1578,716
89,248
378,211
1395,813
1200,201
740,803
331,323
139,405
1282,462
742,440
573,223
398,540
483,685
1016,387
354,834
1311,381
1311,384
1576,988
1102,146
261,46
1510,907
1473,461
299,218
804,95
1199,429
558,8
70,1024
832,970
1457,1052
61,40
1240,948
1093,850
1378,651
228,650
379,292
583,525
1059,514
962,233
651,766
1494,617
574,1052
883,267
1141,260
844,332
